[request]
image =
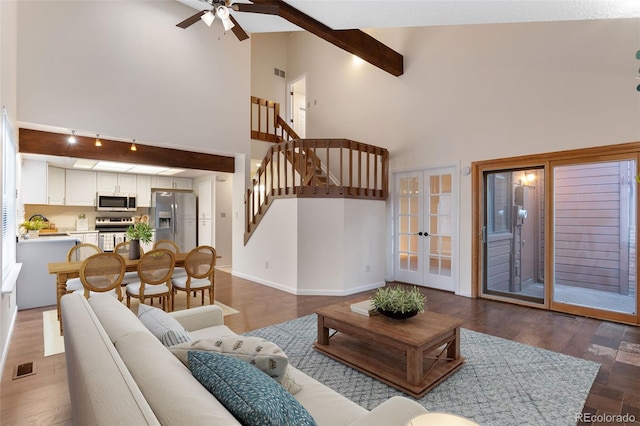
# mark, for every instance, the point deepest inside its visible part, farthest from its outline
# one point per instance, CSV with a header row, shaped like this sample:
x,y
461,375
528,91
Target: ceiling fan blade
x,y
267,9
191,20
237,30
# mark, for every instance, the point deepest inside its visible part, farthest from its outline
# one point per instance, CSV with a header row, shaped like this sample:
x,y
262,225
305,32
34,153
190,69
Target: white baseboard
x,y
309,292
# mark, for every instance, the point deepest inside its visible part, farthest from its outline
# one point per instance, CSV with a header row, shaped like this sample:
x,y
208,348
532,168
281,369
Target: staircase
x,y
320,168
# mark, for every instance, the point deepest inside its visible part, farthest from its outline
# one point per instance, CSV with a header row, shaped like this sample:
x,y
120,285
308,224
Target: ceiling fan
x,y
220,9
353,41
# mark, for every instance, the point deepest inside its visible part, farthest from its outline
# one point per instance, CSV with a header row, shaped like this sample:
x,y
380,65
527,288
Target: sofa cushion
x,y
263,354
115,317
250,395
174,395
162,325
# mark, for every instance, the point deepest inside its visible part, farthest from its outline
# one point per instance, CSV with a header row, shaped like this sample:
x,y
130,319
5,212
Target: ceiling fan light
x,y
222,12
208,18
228,24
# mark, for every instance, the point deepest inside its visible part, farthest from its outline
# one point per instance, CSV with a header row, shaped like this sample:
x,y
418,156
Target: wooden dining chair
x,y
155,269
200,266
78,253
102,273
172,247
123,250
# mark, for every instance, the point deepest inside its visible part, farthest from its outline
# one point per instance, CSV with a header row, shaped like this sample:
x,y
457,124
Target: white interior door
x,y
425,221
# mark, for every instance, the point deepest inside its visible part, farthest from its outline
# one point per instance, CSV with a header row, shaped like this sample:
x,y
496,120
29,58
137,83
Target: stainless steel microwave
x,y
116,202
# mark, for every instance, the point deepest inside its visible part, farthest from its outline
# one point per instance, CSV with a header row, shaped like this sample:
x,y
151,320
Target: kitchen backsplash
x,y
64,217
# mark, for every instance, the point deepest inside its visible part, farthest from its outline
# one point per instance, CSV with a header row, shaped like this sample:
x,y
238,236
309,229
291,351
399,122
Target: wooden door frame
x,y
547,161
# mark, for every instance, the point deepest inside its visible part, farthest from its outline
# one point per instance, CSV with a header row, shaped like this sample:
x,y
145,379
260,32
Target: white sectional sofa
x,y
121,374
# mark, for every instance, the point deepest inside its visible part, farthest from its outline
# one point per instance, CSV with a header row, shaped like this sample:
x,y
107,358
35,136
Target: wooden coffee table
x,y
413,355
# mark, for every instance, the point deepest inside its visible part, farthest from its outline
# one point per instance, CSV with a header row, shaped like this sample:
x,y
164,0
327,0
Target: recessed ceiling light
x,y
170,172
111,166
84,164
149,170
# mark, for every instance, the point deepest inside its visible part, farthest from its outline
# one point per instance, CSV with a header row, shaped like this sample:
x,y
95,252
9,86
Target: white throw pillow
x,y
162,325
263,354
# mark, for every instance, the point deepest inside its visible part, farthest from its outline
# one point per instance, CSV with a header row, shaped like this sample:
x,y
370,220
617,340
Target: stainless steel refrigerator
x,y
174,217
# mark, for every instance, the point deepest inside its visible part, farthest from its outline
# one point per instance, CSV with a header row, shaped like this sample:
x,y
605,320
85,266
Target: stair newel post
x,y
385,174
277,152
276,114
359,149
271,191
290,153
341,167
350,167
375,171
314,167
326,183
366,191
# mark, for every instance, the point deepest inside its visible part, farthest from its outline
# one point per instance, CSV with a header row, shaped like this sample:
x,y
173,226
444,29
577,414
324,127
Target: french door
x,y
424,223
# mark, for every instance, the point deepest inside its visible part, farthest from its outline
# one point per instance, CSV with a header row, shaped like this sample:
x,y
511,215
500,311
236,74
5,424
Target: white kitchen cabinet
x,y
182,183
91,237
34,182
56,186
80,188
167,182
41,183
143,191
116,183
205,213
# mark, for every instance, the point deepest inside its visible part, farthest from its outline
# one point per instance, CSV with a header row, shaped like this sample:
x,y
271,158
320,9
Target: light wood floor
x,y
42,399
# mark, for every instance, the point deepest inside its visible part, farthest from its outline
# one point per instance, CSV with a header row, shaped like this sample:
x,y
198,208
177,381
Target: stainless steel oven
x,y
112,231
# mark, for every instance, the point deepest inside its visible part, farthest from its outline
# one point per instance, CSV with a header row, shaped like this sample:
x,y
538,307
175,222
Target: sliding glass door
x,y
512,234
594,208
559,231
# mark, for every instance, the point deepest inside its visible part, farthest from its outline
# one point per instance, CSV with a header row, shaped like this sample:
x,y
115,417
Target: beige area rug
x,y
54,342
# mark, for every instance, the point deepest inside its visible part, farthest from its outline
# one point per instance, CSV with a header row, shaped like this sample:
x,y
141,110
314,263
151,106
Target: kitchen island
x,y
35,286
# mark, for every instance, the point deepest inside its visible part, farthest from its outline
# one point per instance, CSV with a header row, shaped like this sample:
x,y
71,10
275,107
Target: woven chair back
x,y
167,245
200,262
156,266
102,272
123,249
82,251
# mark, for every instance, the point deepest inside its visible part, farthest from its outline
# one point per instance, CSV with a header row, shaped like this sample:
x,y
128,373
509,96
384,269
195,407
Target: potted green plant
x,y
33,226
398,302
139,231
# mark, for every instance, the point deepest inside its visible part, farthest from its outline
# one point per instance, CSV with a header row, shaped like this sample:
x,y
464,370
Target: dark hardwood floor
x,y
42,398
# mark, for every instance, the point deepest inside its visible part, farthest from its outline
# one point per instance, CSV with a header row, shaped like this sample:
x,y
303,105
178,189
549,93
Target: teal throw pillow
x,y
249,394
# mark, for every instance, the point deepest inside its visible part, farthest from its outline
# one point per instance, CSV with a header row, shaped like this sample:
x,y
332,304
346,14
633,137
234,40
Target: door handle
x,y
425,234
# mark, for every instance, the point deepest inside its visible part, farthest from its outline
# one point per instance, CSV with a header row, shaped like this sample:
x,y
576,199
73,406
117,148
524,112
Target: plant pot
x,y
397,315
34,233
134,249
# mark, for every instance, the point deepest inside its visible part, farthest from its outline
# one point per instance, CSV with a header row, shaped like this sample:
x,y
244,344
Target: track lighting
x,y
133,145
72,139
98,143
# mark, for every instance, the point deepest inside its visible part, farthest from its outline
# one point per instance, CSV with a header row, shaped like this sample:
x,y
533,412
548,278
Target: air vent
x,y
24,370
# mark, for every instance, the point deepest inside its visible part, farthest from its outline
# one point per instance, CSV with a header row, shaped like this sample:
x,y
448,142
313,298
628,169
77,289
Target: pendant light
x,y
98,142
133,145
72,139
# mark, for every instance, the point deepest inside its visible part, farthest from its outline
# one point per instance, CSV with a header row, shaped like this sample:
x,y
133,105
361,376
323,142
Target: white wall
x,y
8,99
123,68
477,92
317,247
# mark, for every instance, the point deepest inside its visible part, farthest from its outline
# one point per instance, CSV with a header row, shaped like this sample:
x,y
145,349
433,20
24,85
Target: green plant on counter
x,y
140,230
34,224
398,299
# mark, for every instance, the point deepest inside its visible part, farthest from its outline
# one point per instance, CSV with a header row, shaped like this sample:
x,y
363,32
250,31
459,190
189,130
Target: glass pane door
x,y
513,234
595,235
409,221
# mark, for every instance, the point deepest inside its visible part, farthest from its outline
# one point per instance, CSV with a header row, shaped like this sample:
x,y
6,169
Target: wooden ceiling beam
x,y
48,143
353,41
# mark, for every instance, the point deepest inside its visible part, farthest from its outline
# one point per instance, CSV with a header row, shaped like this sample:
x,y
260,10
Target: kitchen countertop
x,y
49,239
